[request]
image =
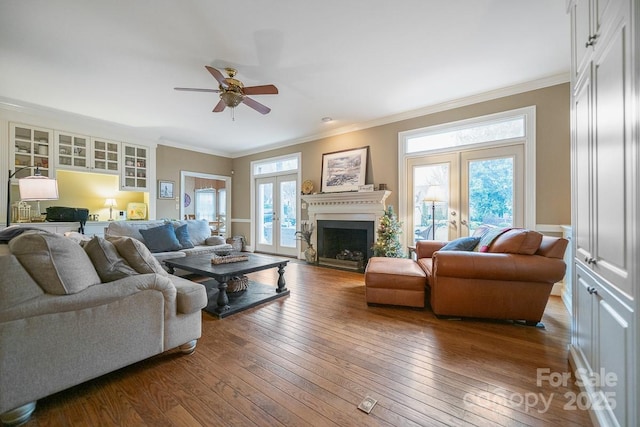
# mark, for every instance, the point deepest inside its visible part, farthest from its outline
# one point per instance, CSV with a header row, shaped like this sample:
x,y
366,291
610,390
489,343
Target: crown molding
x,y
432,109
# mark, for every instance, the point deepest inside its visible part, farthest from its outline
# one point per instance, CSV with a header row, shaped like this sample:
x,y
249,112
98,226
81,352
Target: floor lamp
x,y
434,195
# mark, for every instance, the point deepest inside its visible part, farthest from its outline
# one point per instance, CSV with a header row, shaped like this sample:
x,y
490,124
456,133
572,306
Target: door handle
x,y
453,222
464,222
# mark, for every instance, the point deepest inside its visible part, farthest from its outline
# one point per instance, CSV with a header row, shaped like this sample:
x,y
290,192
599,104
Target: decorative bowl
x,y
223,252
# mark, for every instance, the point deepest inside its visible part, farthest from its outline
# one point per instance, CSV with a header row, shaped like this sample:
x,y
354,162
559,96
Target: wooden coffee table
x,y
225,304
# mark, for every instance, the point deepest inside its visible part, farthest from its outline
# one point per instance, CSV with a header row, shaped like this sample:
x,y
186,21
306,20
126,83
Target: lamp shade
x,y
434,194
111,203
38,188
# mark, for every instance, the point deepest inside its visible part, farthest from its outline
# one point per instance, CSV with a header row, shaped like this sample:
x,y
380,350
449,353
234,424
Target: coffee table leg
x,y
223,298
282,286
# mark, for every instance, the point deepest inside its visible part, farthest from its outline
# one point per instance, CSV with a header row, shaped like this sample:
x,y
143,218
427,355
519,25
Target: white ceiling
x,y
357,61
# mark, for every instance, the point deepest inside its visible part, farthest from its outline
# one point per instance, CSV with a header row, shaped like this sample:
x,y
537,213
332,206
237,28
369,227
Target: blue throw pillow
x,y
182,233
462,244
161,239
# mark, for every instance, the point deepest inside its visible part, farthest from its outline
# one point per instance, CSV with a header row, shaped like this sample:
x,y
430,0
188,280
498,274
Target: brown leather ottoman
x,y
394,281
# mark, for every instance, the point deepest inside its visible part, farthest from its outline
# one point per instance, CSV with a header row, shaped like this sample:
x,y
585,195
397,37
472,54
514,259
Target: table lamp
x,y
33,188
111,203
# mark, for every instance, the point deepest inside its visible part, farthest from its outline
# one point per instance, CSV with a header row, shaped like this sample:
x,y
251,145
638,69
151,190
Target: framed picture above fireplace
x,y
344,170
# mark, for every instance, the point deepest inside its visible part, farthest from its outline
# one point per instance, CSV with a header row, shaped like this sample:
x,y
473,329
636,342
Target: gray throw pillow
x,y
107,261
161,239
461,244
137,255
59,265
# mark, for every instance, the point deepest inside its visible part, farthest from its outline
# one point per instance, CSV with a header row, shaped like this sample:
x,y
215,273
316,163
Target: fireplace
x,y
345,244
346,226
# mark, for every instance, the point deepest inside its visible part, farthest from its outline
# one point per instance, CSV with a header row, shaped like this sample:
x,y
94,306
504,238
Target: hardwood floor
x,y
309,360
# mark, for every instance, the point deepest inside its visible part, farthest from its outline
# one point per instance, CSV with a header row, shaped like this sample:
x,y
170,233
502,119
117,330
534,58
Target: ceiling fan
x,y
233,92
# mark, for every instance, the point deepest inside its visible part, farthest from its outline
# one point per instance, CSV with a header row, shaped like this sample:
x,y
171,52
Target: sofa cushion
x,y
59,265
123,229
182,233
198,229
17,286
137,255
106,260
161,239
517,241
462,244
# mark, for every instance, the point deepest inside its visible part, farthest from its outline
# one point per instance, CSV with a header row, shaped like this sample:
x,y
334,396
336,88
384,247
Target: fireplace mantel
x,y
351,206
361,201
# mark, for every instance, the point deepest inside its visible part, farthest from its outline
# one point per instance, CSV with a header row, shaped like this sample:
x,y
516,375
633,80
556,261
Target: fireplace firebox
x,y
345,244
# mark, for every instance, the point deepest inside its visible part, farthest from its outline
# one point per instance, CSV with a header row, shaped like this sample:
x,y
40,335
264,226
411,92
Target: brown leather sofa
x,y
512,280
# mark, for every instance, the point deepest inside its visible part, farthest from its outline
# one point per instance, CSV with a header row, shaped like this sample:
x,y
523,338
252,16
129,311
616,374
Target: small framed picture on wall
x,y
165,189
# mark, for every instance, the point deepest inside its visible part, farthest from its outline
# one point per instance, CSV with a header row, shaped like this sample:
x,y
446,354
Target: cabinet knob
x,y
592,290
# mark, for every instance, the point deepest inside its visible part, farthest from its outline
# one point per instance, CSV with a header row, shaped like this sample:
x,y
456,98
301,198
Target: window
x,y
272,166
205,204
485,167
467,132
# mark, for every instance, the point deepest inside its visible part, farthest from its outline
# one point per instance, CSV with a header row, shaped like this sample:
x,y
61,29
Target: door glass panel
x,y
265,213
491,192
288,213
431,202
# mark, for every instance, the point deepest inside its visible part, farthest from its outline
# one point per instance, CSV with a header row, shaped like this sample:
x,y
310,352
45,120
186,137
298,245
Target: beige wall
x,y
170,161
552,153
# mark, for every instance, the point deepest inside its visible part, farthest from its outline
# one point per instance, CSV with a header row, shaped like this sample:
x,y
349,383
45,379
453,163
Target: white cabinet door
x,y
72,151
30,149
105,156
612,165
135,162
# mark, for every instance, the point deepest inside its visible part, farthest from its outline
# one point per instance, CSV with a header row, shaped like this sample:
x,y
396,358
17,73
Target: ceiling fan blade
x,y
261,90
219,106
217,75
192,89
256,105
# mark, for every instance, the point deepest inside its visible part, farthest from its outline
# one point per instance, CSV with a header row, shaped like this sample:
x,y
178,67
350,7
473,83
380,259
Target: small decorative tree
x,y
388,241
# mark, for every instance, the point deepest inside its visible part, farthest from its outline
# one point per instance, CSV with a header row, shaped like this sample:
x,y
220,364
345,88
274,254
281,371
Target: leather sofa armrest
x,y
426,248
497,266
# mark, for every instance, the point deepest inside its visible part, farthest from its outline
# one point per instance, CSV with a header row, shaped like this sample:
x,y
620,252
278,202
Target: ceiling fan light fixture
x,y
231,99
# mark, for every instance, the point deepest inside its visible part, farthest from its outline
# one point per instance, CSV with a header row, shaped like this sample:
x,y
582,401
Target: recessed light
x,y
327,119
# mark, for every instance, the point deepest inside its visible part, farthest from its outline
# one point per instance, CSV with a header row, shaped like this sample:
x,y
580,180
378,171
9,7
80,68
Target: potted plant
x,y
304,234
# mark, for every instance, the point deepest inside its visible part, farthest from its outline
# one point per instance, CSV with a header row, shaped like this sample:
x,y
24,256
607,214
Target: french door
x,y
276,210
453,193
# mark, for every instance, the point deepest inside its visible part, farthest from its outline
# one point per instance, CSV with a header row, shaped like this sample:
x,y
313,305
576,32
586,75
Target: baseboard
x,y
603,417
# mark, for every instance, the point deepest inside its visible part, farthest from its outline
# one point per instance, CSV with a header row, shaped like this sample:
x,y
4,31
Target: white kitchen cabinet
x,y
105,156
87,154
604,205
135,164
30,148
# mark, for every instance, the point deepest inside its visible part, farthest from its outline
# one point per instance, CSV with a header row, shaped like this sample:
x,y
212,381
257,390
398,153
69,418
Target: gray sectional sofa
x,y
72,312
193,231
